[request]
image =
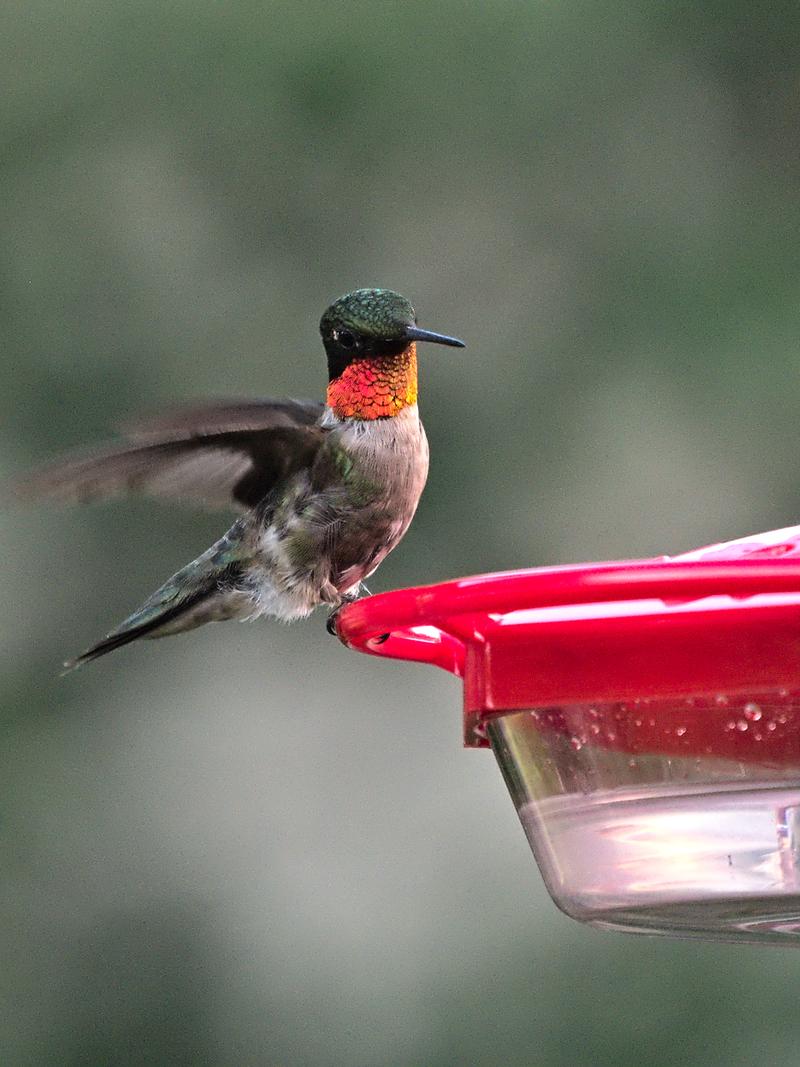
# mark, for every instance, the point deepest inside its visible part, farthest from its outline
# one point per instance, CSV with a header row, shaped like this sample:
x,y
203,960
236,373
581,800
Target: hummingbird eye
x,y
346,338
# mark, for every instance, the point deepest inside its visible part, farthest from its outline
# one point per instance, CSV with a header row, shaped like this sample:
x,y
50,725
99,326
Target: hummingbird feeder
x,y
646,718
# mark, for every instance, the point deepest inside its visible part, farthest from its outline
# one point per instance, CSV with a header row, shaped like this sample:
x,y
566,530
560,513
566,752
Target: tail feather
x,y
135,626
208,589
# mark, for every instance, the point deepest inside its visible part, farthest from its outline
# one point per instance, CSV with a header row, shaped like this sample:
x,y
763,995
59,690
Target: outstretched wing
x,y
225,454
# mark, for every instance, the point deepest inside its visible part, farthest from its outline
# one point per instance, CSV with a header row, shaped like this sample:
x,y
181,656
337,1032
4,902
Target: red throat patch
x,y
375,388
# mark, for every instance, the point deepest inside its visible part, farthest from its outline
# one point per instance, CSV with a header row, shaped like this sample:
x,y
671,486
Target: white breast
x,y
394,453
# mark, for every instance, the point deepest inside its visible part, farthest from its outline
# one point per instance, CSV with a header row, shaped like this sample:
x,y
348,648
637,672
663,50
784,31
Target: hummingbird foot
x,y
347,598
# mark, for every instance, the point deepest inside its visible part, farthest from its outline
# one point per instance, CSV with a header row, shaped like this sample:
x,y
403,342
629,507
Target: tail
x,y
143,623
207,590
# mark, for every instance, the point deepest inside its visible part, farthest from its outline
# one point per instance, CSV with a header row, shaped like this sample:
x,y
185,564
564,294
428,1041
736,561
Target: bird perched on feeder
x,y
327,490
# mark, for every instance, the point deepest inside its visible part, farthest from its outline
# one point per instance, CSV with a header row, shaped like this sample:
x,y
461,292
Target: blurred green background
x,y
248,846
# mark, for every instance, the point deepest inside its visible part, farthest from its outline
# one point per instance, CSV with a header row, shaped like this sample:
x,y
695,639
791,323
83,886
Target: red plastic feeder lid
x,y
721,621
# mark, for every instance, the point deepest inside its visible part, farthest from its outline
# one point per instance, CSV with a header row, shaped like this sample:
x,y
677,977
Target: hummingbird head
x,y
370,337
372,324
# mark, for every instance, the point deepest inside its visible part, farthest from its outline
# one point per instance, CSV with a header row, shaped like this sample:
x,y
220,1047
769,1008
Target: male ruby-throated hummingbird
x,y
327,490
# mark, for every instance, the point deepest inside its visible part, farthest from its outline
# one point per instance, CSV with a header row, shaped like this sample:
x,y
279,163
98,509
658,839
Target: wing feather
x,y
222,454
218,416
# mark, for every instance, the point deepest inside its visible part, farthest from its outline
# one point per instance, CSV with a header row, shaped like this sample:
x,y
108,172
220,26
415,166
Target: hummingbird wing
x,y
216,416
219,454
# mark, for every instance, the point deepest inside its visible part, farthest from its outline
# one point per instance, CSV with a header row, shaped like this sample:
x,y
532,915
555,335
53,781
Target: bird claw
x,y
333,615
330,622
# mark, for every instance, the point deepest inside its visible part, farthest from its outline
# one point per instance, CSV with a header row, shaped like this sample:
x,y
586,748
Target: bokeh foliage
x,y
248,846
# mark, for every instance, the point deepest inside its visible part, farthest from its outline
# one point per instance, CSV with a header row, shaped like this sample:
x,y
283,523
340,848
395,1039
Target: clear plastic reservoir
x,y
631,833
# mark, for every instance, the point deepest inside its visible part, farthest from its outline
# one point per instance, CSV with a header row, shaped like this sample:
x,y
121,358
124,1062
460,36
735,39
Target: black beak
x,y
414,333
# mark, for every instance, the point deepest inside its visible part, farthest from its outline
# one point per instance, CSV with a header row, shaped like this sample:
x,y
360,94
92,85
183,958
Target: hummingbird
x,y
325,490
